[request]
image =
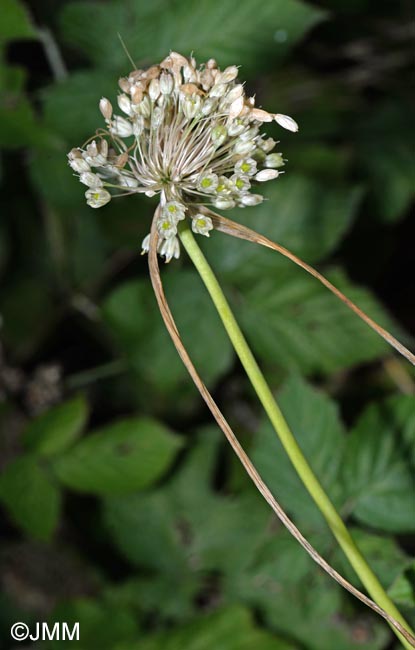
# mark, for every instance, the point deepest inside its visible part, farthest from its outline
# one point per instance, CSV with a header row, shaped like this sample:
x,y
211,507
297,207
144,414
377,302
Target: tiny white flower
x,y
207,182
145,245
246,167
77,162
286,122
166,83
244,147
169,248
175,211
96,197
166,227
202,224
241,183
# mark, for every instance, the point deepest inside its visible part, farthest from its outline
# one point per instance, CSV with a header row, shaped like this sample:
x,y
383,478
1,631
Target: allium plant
x,y
191,137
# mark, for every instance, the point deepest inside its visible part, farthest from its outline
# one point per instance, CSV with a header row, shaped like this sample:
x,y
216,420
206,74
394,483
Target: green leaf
x,y
391,173
403,588
31,498
383,554
293,321
378,469
23,296
101,624
132,314
300,214
71,107
228,629
54,431
315,422
15,21
233,31
120,458
19,125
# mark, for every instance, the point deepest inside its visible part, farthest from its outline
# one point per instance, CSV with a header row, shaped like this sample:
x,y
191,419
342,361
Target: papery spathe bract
x,y
188,134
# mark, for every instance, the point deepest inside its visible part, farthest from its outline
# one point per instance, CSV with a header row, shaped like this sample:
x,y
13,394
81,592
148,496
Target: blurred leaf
x,y
300,214
293,321
233,31
71,107
383,554
228,629
54,431
15,21
19,126
120,458
26,313
377,470
403,589
315,423
391,172
132,314
101,624
31,498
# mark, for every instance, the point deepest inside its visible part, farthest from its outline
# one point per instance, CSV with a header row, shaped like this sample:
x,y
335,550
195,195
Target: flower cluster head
x,y
188,134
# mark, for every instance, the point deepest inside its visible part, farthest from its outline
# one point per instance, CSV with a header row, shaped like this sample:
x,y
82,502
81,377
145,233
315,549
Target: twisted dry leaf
x,y
237,448
235,229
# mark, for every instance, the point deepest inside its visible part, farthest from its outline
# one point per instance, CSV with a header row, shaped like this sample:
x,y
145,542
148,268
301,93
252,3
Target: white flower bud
x,y
236,127
76,162
218,90
145,246
125,104
202,224
166,83
218,135
208,105
267,145
234,93
138,126
154,89
251,199
236,107
224,203
274,160
96,197
286,122
121,127
90,179
145,106
128,181
191,106
261,116
106,108
242,148
229,74
266,175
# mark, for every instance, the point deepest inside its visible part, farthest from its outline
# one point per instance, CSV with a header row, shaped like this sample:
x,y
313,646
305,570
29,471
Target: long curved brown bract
x,y
242,232
237,448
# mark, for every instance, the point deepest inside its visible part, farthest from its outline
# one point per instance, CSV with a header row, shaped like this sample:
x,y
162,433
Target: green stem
x,y
339,530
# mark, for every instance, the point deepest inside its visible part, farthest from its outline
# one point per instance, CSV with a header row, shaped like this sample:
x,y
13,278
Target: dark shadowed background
x,y
121,505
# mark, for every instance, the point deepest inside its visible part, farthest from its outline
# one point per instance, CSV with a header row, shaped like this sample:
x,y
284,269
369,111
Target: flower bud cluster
x,y
186,133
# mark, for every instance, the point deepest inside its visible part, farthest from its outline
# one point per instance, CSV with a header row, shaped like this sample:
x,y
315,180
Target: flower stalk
x,y
303,469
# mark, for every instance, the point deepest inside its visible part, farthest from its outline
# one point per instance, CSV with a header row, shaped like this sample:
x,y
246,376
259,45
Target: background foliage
x,y
122,507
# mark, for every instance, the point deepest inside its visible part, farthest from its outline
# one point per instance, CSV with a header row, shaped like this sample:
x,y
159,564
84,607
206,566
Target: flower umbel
x,y
190,135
